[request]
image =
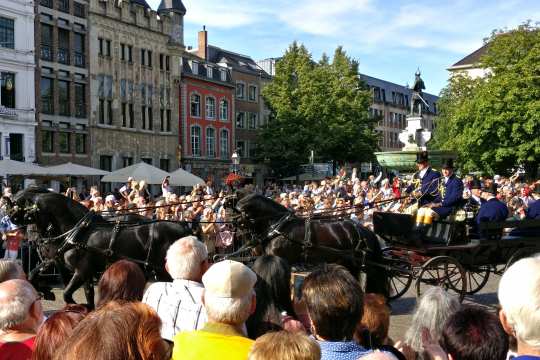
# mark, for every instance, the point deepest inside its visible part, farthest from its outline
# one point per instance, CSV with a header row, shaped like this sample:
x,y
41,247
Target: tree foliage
x,y
494,122
320,106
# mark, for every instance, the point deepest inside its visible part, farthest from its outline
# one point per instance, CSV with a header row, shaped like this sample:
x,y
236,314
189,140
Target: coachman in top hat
x,y
425,181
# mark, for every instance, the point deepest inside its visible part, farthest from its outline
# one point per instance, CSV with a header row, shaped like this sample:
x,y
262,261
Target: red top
x,y
17,350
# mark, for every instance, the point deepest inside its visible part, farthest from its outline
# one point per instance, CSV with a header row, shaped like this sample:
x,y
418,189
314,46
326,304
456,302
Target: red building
x,y
206,118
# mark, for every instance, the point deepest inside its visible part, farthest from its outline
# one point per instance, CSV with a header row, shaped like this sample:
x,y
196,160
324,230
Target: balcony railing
x,y
46,3
62,55
46,53
79,59
63,5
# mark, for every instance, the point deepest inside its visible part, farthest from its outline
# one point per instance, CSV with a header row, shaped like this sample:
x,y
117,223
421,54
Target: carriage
x,y
446,254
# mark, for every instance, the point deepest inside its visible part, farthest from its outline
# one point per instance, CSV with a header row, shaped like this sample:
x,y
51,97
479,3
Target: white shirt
x,y
178,304
422,173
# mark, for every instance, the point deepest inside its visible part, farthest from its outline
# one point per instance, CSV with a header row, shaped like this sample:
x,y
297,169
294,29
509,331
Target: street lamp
x,y
236,161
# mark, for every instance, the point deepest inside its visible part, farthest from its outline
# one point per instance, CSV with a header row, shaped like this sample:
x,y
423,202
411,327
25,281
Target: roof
x,y
472,58
390,86
172,5
234,60
141,3
202,71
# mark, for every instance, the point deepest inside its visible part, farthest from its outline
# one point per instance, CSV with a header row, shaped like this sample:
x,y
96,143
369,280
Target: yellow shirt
x,y
213,341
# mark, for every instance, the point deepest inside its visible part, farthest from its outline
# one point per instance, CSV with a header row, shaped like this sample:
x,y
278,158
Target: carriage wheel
x,y
520,254
400,278
443,271
477,277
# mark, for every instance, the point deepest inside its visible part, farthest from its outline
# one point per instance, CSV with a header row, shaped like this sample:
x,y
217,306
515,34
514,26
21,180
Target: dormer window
x,y
195,67
223,74
209,72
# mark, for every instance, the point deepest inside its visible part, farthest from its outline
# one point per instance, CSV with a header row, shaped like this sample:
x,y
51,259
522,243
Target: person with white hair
x,y
10,269
519,297
229,300
178,303
20,316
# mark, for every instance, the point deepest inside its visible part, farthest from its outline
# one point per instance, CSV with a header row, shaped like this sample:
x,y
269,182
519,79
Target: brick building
x,y
206,118
61,81
250,112
135,76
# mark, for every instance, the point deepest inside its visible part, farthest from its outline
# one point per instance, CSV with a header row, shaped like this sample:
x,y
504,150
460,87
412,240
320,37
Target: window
x,y
7,93
240,90
123,52
195,67
223,74
63,5
109,112
130,53
168,123
62,53
46,52
124,114
63,98
131,116
78,50
224,110
167,63
252,96
64,142
195,105
161,120
150,118
79,10
101,111
161,61
127,161
252,150
210,108
108,47
7,33
241,148
164,164
143,116
105,162
80,100
47,141
149,63
147,160
224,144
240,120
143,53
196,141
253,121
210,142
100,47
209,72
47,95
80,143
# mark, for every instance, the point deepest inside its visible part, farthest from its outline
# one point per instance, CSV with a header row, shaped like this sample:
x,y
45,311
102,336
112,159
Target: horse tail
x,y
376,274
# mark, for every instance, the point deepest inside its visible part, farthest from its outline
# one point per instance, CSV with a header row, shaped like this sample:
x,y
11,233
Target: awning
x,y
182,177
72,169
12,167
140,171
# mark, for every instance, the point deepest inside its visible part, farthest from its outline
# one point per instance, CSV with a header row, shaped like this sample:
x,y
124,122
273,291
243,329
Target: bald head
x,y
10,270
378,355
17,298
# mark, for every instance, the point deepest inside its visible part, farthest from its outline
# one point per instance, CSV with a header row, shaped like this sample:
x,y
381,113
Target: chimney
x,y
202,51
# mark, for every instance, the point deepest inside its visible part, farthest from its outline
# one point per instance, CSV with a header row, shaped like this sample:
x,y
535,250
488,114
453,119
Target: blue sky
x,y
390,38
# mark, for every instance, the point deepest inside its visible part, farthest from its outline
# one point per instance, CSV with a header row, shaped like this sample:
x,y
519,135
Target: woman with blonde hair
x,y
283,345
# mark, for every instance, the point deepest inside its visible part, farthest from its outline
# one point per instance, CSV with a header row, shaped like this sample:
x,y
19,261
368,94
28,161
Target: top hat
x,y
448,164
476,184
422,157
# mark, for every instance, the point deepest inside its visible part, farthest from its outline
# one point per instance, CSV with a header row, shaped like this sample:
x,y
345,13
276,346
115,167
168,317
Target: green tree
x,y
320,106
494,123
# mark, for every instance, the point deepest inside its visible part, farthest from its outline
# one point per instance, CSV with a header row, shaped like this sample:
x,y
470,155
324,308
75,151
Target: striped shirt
x,y
178,304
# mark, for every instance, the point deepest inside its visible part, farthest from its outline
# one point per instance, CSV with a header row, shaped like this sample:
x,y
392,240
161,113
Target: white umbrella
x,y
74,170
12,167
181,177
140,171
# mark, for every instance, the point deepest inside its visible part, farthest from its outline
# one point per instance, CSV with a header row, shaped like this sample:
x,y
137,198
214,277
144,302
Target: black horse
x,y
278,231
81,243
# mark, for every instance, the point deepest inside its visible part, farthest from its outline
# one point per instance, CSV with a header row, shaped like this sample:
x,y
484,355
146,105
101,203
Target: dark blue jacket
x,y
492,210
429,187
453,196
533,213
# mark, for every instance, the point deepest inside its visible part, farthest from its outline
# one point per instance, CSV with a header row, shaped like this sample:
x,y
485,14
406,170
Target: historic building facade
x,y
206,118
61,81
17,64
391,106
135,78
250,112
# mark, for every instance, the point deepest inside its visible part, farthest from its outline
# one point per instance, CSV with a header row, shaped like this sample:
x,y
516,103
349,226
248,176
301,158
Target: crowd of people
x,y
231,311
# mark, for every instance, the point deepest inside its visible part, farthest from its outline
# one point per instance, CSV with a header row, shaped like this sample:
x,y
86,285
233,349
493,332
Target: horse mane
x,y
37,194
264,204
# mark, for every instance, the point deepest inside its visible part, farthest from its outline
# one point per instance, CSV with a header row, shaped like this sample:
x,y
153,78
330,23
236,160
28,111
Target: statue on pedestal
x,y
416,97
